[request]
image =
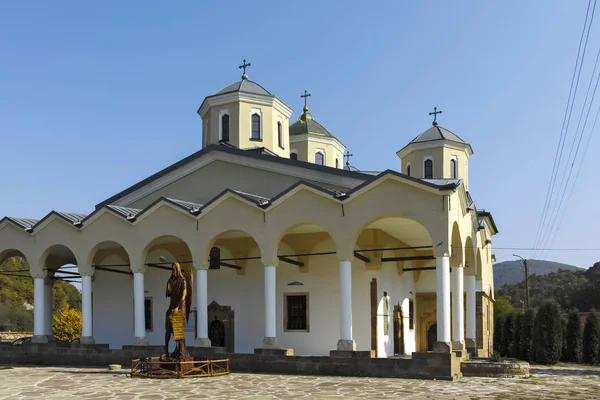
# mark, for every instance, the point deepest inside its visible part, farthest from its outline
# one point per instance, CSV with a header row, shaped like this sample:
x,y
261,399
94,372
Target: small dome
x,y
245,86
306,124
436,132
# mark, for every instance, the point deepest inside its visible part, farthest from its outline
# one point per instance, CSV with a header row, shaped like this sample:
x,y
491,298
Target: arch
x,y
408,169
105,249
170,246
303,238
293,155
280,134
428,168
224,127
453,168
457,256
471,265
56,256
237,242
479,265
9,253
255,119
319,157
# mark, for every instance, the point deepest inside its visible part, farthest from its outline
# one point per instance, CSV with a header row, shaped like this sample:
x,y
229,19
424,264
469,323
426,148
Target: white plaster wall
x,y
113,304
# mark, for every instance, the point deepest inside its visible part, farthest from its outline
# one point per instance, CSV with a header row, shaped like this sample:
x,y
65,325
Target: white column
x,y
270,339
458,310
202,307
48,308
346,342
87,336
471,312
39,309
138,309
442,275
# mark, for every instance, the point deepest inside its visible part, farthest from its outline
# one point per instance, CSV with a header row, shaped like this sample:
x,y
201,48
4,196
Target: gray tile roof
x,y
442,182
306,124
192,207
125,211
71,217
25,223
258,200
245,86
436,132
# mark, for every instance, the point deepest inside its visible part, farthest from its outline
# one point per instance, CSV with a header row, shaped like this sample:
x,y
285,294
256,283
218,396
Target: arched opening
x,y
156,276
16,294
395,261
428,169
61,293
471,266
235,292
308,290
225,128
453,169
319,158
111,298
256,127
457,256
280,134
293,156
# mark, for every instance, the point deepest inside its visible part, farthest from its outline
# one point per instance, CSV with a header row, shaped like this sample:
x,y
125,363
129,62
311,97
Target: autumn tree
x,y
67,324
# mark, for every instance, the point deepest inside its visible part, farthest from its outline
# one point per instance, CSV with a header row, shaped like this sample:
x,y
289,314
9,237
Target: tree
x,y
574,338
509,335
518,339
67,324
526,352
499,334
547,334
591,339
502,307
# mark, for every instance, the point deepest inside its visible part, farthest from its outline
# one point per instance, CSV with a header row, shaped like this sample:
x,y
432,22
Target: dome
x,y
306,124
245,86
436,132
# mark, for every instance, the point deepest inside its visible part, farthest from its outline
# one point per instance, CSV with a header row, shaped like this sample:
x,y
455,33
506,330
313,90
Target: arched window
x,y
428,169
294,156
408,170
225,128
280,134
453,169
319,158
255,126
337,162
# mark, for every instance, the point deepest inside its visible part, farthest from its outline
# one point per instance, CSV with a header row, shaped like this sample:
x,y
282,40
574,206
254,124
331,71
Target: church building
x,y
291,247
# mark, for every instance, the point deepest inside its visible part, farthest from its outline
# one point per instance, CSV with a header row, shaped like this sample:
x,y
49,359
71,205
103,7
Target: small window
x,y
148,313
255,127
225,128
428,173
337,162
408,170
453,169
294,156
319,158
411,314
280,134
296,309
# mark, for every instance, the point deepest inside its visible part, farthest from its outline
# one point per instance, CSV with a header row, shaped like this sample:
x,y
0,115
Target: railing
x,y
157,369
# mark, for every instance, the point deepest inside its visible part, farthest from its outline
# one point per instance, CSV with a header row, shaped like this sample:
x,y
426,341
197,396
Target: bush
x,y
67,324
498,334
526,351
547,334
516,347
574,338
591,339
509,335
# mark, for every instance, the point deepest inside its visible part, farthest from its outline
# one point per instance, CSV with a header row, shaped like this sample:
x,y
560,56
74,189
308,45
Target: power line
x,y
558,155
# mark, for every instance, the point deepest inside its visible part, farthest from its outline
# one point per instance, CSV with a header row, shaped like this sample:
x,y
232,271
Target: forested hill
x,y
16,297
511,272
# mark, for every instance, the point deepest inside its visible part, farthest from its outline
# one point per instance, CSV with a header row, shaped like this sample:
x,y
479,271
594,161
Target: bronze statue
x,y
179,289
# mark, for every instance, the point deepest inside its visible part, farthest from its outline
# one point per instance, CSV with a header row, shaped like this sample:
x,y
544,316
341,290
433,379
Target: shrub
x,y
509,335
67,324
574,338
526,352
516,347
591,339
498,334
547,334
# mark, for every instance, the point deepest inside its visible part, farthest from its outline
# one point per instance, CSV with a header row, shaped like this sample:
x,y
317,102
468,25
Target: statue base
x,y
167,367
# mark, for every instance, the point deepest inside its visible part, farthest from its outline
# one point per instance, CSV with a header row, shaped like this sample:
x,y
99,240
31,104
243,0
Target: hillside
x,y
511,272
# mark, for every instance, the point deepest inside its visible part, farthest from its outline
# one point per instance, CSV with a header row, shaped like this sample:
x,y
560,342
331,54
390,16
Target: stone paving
x,y
561,382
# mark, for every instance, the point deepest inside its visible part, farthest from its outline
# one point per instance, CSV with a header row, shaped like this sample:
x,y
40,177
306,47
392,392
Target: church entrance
x,y
221,326
398,330
431,337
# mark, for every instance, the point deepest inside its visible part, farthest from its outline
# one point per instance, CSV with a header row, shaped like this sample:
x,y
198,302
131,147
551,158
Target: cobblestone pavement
x,y
562,382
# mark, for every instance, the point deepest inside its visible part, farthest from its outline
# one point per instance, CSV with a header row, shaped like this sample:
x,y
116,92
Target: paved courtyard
x,y
563,382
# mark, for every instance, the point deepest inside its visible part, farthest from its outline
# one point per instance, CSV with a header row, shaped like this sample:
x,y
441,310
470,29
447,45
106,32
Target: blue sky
x,y
87,85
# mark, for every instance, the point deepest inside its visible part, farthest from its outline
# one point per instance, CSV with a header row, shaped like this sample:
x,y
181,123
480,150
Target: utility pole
x,y
526,278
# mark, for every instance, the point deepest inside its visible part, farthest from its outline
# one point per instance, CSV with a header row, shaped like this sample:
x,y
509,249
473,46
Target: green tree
x,y
591,339
517,342
499,334
574,338
547,334
502,307
509,335
526,352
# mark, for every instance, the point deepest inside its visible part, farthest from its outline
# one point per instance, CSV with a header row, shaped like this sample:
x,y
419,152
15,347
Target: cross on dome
x,y
244,65
305,95
435,113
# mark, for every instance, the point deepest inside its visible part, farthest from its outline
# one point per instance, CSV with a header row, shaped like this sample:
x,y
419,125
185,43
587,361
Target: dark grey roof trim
x,y
24,223
75,219
448,186
484,213
123,211
236,151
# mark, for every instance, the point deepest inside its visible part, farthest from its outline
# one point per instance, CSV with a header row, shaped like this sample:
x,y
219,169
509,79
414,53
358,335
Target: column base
x,y
471,346
346,345
458,345
269,343
39,339
275,352
141,341
87,340
202,342
442,347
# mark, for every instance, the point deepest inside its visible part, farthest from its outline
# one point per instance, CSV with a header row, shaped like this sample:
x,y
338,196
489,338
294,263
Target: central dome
x,y
306,124
245,86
